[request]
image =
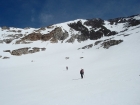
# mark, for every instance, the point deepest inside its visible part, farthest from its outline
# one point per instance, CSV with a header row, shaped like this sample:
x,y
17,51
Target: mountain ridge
x,y
33,70
69,32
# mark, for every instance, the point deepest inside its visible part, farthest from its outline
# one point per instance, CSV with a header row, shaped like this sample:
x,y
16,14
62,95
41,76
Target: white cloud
x,y
45,18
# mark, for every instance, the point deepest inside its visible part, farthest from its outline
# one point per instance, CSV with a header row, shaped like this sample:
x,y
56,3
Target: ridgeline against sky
x,y
40,13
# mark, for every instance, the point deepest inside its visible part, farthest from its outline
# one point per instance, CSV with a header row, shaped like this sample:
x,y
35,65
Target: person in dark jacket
x,y
82,73
66,67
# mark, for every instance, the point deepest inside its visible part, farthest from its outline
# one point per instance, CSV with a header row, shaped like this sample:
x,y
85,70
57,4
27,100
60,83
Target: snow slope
x,y
112,76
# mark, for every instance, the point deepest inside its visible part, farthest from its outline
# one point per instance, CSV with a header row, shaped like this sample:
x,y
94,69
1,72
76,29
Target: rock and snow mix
x,y
112,75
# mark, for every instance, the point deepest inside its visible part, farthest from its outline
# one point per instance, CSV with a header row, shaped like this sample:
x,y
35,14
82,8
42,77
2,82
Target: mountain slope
x,y
111,74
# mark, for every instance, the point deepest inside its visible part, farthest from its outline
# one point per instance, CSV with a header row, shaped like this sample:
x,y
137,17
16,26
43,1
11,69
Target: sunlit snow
x,y
112,76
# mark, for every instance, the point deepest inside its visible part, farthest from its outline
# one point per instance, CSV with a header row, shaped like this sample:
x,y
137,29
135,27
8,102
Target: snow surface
x,y
112,76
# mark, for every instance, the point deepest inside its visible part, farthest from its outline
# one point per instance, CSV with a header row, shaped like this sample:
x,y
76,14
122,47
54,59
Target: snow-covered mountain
x,y
33,63
103,31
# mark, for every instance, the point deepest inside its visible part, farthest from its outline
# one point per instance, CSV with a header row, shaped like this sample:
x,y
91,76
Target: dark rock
x,y
53,36
18,41
5,28
72,38
58,34
19,31
20,51
7,41
130,21
6,51
49,27
97,42
86,47
110,43
43,49
6,57
36,49
92,34
32,37
80,27
31,51
134,22
81,38
95,23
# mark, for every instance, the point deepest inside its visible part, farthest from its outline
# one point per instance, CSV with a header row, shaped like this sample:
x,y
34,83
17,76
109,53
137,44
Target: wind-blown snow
x,y
112,76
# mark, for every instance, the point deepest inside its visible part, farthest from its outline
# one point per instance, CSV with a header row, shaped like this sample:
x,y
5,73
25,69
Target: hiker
x,y
82,73
66,67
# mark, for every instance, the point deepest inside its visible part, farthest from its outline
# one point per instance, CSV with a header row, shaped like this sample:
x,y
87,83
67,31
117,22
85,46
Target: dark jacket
x,y
81,71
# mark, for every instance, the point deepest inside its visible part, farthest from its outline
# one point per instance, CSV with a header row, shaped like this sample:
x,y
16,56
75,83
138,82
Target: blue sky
x,y
40,13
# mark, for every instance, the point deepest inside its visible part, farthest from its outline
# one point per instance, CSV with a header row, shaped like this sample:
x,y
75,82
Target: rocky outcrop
x,y
94,23
104,43
32,37
6,51
16,36
97,42
134,22
11,38
58,34
20,51
86,47
5,57
34,50
131,21
82,29
5,28
72,39
43,49
54,36
23,42
91,34
26,50
7,41
92,29
108,43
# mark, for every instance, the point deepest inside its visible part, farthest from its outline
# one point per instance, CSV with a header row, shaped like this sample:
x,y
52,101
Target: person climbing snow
x,y
66,67
82,73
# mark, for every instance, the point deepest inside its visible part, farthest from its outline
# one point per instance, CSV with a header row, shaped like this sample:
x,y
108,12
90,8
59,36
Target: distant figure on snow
x,y
66,67
82,73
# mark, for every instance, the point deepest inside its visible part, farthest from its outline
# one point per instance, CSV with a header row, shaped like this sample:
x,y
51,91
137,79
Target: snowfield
x,y
112,76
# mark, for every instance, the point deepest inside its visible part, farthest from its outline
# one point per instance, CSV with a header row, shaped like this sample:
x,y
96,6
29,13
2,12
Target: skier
x,y
82,73
66,67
